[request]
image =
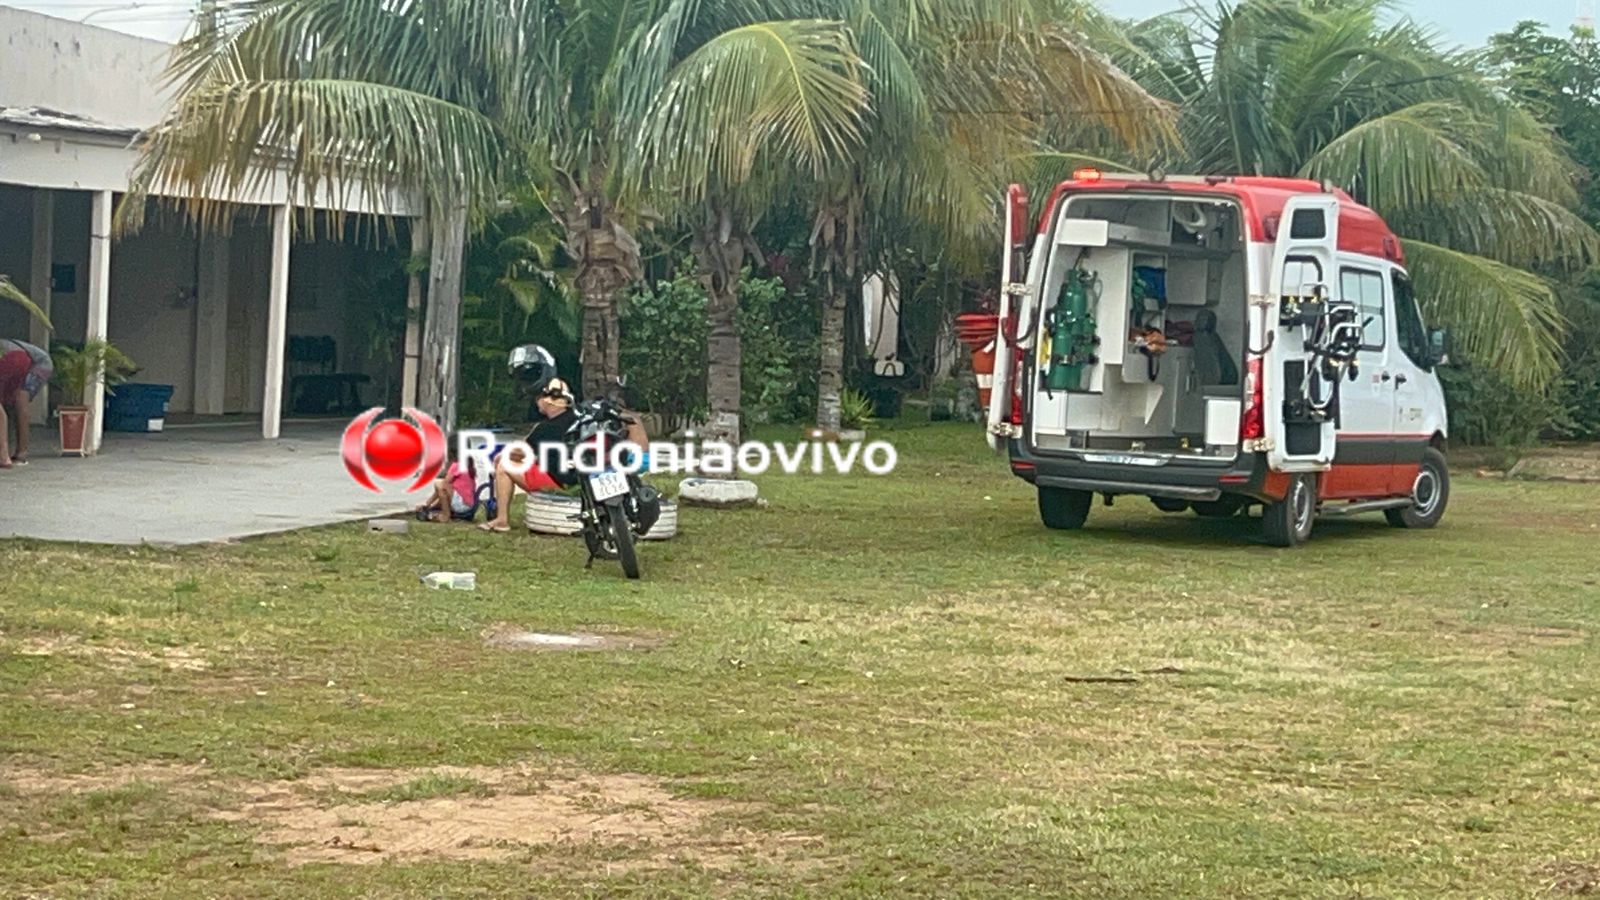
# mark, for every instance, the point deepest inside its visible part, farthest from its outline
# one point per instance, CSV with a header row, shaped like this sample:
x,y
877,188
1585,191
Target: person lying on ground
x,y
24,371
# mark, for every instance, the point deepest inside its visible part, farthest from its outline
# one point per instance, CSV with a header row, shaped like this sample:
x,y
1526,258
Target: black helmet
x,y
533,366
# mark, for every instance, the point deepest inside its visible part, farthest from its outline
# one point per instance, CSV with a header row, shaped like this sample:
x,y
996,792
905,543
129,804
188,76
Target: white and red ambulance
x,y
1216,343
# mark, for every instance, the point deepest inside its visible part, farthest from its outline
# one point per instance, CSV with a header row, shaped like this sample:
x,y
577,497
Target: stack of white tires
x,y
557,514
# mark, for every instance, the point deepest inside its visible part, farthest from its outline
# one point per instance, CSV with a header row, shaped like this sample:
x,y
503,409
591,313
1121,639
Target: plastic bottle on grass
x,y
455,581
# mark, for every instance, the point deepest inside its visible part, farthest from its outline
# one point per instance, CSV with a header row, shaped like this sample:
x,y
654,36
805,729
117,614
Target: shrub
x,y
663,350
1485,410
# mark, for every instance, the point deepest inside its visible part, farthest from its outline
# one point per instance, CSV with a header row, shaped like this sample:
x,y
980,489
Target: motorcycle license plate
x,y
607,485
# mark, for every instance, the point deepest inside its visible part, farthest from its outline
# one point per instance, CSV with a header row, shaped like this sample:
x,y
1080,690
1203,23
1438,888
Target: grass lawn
x,y
875,686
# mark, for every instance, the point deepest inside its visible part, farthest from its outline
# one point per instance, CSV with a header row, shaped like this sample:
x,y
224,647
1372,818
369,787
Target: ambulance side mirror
x,y
1439,346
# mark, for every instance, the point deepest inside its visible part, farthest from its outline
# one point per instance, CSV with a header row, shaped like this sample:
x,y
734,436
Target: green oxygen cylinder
x,y
1073,340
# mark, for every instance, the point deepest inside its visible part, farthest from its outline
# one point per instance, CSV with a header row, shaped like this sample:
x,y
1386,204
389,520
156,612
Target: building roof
x,y
56,120
1360,229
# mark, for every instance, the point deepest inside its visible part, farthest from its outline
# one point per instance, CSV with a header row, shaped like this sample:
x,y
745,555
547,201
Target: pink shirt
x,y
462,482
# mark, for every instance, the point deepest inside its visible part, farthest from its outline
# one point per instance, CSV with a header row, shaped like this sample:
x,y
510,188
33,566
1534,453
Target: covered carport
x,y
296,304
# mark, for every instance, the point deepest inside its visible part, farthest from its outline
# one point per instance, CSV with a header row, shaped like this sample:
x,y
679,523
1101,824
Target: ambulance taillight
x,y
1253,425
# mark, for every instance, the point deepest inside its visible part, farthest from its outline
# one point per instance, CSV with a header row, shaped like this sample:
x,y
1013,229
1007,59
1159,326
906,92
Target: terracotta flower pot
x,y
74,424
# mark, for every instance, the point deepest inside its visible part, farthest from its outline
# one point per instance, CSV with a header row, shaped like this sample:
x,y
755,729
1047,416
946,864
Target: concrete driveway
x,y
187,486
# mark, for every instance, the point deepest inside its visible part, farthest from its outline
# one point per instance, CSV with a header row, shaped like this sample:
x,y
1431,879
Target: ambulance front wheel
x,y
1287,522
1064,509
1429,495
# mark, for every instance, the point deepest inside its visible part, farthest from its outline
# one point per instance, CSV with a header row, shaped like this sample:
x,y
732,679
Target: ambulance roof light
x,y
1089,175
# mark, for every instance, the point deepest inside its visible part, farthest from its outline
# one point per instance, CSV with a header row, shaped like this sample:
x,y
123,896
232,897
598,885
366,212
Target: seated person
x,y
555,406
455,496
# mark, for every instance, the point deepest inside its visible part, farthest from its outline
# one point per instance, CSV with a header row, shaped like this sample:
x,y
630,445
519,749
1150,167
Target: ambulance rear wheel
x,y
1429,495
1064,509
1287,522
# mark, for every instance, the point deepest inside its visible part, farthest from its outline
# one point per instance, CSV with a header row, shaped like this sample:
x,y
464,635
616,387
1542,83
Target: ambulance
x,y
1217,344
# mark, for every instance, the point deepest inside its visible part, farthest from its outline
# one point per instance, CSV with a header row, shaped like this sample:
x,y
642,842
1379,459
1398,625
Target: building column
x,y
99,304
211,328
414,291
39,287
277,324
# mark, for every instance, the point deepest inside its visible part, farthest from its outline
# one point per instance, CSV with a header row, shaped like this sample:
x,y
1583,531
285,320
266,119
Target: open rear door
x,y
1012,265
1304,274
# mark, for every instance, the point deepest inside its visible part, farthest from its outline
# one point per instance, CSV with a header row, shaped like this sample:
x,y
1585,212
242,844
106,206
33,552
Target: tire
x,y
555,514
1287,523
620,534
1430,494
1169,505
666,527
1064,509
1225,507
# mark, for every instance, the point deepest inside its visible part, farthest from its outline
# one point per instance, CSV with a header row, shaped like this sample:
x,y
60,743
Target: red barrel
x,y
980,333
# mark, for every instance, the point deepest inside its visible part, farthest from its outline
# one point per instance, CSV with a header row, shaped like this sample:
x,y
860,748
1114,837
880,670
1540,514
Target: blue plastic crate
x,y
136,424
147,401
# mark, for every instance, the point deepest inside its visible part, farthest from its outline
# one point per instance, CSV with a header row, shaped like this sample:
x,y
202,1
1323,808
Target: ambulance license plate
x,y
607,485
1121,459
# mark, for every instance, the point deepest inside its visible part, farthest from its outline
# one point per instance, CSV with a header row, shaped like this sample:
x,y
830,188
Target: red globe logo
x,y
394,449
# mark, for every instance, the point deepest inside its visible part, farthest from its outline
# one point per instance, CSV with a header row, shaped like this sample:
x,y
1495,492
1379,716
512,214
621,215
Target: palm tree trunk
x,y
719,251
834,243
830,375
600,336
607,263
439,365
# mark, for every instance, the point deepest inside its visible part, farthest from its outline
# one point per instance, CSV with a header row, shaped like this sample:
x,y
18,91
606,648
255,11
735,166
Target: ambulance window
x,y
1300,274
1365,290
1413,337
1308,224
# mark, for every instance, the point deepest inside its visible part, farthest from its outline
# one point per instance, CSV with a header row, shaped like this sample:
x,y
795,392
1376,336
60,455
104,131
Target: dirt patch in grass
x,y
39,781
364,816
483,813
1571,878
177,659
509,637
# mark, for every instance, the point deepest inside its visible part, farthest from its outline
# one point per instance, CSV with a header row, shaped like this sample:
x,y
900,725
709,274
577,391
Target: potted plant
x,y
76,369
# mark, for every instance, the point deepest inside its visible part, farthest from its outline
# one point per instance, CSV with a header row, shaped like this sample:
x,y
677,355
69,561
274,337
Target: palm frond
x,y
1511,227
11,292
1504,317
345,139
791,87
1405,159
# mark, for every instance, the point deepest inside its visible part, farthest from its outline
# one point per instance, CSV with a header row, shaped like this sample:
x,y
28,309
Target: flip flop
x,y
493,530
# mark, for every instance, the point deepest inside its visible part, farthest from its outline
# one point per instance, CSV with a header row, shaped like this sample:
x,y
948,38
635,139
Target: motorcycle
x,y
618,507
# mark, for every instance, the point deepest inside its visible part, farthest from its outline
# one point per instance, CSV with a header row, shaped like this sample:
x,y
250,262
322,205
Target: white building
x,y
239,324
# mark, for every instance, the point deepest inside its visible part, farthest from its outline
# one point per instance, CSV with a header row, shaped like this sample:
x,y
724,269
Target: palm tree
x,y
452,102
1480,190
12,293
800,112
957,89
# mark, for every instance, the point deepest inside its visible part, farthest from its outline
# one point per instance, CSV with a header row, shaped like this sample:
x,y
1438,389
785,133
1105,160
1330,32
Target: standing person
x,y
24,371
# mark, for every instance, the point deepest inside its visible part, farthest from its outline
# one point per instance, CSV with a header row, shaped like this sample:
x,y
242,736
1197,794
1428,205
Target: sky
x,y
1459,21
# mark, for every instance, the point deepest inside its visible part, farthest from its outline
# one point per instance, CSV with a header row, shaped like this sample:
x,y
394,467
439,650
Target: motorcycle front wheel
x,y
620,536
